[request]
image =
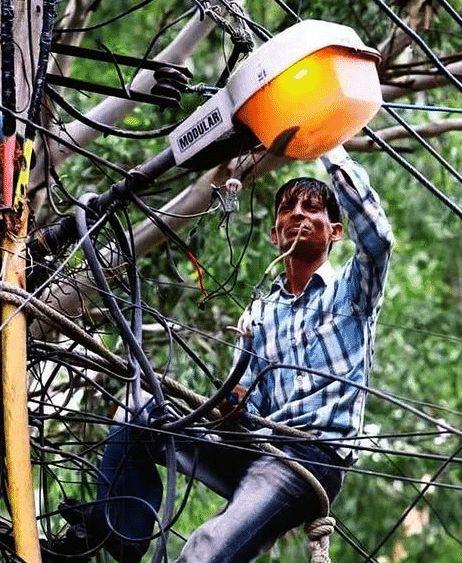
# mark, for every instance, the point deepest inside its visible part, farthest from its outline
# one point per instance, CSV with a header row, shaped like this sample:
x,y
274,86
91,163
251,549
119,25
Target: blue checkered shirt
x,y
329,327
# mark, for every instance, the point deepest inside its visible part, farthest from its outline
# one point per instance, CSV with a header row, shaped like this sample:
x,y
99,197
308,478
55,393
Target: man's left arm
x,y
368,226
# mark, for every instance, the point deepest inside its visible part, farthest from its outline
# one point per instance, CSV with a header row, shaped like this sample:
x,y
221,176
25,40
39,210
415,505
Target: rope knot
x,y
319,531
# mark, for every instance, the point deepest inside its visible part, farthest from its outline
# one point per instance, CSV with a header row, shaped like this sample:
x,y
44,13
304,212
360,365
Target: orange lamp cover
x,y
330,95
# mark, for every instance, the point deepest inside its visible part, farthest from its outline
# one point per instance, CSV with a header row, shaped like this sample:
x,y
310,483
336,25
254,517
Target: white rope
x,y
319,532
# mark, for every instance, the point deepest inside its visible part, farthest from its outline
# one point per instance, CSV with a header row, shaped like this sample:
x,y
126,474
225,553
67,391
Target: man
x,y
319,320
312,342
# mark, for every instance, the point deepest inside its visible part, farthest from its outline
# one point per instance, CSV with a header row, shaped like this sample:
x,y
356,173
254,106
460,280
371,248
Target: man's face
x,y
305,212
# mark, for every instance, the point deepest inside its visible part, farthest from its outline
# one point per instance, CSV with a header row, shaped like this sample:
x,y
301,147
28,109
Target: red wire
x,y
199,271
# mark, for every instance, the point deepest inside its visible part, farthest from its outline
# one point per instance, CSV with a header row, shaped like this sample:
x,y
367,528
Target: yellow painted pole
x,y
14,385
27,25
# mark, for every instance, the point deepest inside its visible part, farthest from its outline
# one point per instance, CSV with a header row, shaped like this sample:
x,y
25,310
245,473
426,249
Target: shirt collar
x,y
325,273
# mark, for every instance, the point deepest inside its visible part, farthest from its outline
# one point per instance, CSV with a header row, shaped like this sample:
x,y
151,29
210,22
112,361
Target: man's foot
x,y
59,550
7,548
78,544
86,535
65,550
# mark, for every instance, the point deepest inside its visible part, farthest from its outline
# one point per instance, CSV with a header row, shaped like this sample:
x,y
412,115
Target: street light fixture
x,y
316,78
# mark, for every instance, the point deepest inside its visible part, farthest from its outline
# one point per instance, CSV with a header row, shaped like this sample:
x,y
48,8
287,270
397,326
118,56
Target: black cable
x,y
230,64
168,231
391,395
232,276
226,388
55,119
195,358
421,493
144,60
444,163
111,304
107,129
169,506
427,501
288,10
380,394
8,90
207,335
260,31
348,469
140,309
63,232
30,36
421,107
234,445
360,471
33,114
115,63
346,534
75,148
340,441
451,11
110,57
171,495
103,89
418,175
136,325
47,166
420,42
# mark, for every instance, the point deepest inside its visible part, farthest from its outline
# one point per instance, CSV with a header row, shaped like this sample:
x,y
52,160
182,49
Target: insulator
x,y
232,187
170,84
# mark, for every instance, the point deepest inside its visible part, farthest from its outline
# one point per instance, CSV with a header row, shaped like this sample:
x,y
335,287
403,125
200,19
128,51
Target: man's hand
x,y
232,406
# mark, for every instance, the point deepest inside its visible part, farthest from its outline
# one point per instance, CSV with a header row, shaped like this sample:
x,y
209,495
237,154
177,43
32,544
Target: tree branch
x,y
418,83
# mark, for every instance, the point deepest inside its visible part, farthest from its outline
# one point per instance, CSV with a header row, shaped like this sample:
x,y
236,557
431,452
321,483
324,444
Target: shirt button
x,y
299,377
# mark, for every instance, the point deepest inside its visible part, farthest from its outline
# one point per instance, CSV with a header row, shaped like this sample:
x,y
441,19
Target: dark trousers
x,y
265,497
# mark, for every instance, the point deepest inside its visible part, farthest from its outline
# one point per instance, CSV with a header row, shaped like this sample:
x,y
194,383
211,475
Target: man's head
x,y
309,206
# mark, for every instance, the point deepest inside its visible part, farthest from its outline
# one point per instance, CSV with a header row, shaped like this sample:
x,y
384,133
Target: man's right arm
x,y
369,228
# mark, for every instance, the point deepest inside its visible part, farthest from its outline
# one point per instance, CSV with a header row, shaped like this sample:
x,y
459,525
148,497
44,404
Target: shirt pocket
x,y
324,331
327,350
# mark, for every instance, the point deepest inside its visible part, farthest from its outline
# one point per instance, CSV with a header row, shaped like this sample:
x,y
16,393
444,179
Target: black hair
x,y
298,186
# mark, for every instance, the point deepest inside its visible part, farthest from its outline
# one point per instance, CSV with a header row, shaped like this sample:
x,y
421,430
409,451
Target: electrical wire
x,y
421,107
451,11
420,42
444,163
412,170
